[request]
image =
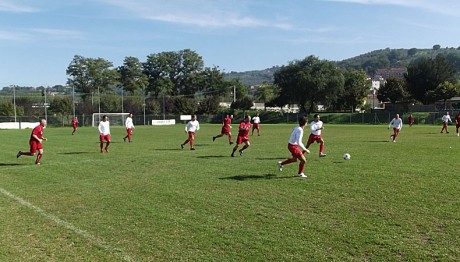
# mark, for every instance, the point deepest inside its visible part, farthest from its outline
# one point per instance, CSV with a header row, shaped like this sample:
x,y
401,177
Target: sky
x,y
39,38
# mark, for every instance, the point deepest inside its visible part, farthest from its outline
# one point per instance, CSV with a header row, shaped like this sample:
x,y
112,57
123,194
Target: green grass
x,y
151,201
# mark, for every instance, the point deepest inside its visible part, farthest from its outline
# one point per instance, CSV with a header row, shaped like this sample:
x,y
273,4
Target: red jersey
x,y
74,121
246,127
38,131
457,118
227,122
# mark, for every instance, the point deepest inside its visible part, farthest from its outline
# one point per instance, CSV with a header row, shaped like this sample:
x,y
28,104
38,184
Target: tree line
x,y
179,83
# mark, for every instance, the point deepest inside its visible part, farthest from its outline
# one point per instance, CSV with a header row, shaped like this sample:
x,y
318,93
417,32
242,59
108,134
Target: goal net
x,y
115,119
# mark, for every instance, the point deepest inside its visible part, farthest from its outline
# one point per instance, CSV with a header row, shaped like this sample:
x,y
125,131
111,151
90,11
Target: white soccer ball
x,y
346,156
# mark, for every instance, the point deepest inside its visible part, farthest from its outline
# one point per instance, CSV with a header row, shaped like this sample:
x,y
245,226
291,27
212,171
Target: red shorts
x,y
74,126
104,137
457,125
191,135
129,131
34,146
255,126
242,139
295,151
225,130
312,138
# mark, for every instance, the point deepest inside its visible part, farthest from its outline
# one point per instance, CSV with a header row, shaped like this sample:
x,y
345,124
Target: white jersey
x,y
446,119
296,138
315,127
129,122
256,120
192,126
104,128
397,123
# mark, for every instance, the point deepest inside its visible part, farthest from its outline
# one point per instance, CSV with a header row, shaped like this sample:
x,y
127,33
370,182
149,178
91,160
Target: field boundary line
x,y
85,234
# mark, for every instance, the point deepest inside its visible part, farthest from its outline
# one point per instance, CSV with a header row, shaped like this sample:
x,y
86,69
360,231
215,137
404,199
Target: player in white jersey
x,y
104,133
445,122
397,123
295,146
191,127
316,126
256,124
129,127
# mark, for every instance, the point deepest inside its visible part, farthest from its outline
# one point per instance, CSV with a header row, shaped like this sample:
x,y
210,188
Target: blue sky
x,y
39,38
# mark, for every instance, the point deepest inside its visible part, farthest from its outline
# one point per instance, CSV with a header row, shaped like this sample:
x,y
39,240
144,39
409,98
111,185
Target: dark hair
x,y
302,120
316,115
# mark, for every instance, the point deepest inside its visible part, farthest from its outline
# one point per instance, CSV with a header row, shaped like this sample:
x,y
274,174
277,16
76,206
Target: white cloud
x,y
201,13
447,7
12,36
15,7
32,34
57,33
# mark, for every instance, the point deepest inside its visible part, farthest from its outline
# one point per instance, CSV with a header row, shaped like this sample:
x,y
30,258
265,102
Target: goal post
x,y
115,119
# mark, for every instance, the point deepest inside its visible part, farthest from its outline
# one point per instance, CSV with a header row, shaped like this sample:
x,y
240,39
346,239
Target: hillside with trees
x,y
369,62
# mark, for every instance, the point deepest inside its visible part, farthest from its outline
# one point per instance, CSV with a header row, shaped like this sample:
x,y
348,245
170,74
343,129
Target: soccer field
x,y
150,201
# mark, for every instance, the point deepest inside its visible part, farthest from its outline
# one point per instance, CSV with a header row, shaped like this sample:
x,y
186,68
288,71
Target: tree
x,y
265,92
185,105
7,109
88,75
309,82
436,47
110,103
426,74
211,82
412,51
209,105
244,103
394,90
132,78
443,91
356,88
171,73
61,106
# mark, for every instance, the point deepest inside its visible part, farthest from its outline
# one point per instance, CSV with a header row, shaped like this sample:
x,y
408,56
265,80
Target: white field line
x,y
98,242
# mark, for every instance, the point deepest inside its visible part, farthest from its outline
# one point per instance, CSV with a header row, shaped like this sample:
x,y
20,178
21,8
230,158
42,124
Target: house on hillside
x,y
395,72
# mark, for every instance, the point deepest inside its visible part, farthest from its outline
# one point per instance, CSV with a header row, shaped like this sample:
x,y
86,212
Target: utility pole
x,y
14,102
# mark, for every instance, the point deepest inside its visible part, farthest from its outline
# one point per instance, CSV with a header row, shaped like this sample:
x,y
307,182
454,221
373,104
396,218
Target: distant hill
x,y
254,77
369,62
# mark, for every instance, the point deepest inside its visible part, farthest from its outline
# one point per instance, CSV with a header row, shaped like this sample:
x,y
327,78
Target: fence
x,y
432,118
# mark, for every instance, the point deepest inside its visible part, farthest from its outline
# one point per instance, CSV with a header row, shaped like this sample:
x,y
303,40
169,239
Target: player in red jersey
x,y
226,125
35,142
457,122
243,135
411,120
74,124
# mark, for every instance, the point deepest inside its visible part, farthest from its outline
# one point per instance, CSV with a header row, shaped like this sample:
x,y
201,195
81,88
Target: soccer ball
x,y
346,156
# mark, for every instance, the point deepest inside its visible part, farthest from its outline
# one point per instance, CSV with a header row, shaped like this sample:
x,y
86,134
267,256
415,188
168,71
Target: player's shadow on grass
x,y
270,158
210,157
75,153
10,164
253,177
